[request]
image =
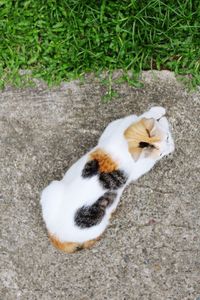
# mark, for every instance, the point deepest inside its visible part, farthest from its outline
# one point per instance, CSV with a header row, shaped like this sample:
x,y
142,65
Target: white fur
x,y
61,199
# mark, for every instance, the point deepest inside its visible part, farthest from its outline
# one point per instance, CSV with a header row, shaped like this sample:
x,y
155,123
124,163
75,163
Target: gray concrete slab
x,y
152,248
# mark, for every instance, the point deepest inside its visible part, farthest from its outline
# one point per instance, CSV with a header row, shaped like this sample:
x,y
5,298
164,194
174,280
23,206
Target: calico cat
x,y
77,208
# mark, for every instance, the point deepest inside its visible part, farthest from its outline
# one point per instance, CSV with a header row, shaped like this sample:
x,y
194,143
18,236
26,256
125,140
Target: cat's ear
x,y
150,125
135,152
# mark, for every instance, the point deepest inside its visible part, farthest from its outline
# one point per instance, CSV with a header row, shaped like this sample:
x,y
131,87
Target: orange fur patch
x,y
70,247
106,164
141,131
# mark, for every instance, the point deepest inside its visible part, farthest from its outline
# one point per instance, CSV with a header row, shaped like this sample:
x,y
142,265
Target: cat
x,y
77,209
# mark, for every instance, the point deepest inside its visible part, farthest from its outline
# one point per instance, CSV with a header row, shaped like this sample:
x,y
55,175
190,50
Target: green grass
x,y
61,40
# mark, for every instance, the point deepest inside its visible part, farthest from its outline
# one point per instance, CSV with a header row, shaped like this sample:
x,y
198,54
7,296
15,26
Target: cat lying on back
x,y
77,209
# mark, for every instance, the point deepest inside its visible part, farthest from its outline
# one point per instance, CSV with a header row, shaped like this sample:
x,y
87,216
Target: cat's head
x,y
149,138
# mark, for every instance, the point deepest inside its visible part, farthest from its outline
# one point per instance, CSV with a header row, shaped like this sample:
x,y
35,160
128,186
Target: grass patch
x,y
61,40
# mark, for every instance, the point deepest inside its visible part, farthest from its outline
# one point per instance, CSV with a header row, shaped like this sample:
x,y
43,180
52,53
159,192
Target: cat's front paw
x,y
156,112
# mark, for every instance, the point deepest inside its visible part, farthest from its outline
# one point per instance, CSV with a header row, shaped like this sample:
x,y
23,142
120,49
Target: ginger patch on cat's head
x,y
143,137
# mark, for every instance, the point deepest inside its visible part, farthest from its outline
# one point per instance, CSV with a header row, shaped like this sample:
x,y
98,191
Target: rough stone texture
x,y
152,248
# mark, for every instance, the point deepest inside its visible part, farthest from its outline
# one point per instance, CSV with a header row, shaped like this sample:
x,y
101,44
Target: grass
x,y
61,40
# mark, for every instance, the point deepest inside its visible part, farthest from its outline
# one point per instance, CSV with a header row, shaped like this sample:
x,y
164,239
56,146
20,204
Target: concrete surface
x,y
151,250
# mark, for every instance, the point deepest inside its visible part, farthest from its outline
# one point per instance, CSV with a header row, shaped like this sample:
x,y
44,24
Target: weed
x,y
62,40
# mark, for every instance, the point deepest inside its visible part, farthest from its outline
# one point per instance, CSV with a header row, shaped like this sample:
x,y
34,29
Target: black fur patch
x,y
79,248
143,144
113,180
88,216
146,145
91,168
